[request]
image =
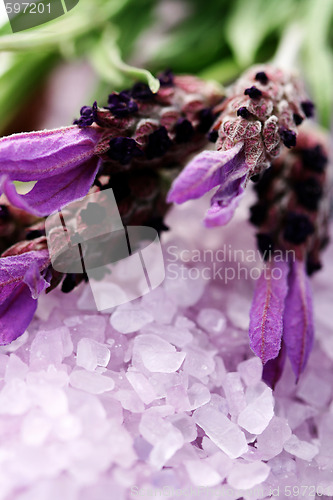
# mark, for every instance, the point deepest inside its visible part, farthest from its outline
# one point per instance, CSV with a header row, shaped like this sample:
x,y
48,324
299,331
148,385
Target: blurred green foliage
x,y
215,39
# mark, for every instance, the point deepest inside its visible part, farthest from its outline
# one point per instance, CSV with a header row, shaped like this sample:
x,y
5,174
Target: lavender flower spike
x,y
62,161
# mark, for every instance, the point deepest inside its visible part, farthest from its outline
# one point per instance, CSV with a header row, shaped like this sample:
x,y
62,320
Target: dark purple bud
x,y
93,214
314,159
308,108
139,91
122,105
255,178
309,193
258,213
184,131
253,92
213,135
88,116
297,228
312,266
158,143
119,184
288,137
166,78
262,77
34,233
265,180
297,118
69,283
123,149
4,213
207,119
243,112
265,244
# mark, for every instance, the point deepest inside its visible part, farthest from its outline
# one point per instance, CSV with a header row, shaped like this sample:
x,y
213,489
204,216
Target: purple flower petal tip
x,y
298,318
206,171
266,314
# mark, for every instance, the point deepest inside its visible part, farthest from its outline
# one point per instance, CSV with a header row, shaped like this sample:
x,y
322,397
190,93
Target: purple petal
x,y
39,155
274,367
35,281
16,313
266,315
298,318
51,194
14,268
224,202
206,171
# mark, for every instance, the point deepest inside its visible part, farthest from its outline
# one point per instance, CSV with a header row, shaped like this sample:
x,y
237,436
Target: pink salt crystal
x,y
160,305
198,395
51,400
297,413
301,449
91,354
91,382
220,462
67,427
201,473
212,320
234,392
186,425
270,442
250,371
198,362
259,410
141,386
225,434
16,368
177,397
35,429
238,310
130,318
158,355
314,390
244,476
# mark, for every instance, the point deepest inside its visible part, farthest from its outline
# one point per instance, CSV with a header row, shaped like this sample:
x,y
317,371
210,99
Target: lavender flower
x,y
292,215
258,117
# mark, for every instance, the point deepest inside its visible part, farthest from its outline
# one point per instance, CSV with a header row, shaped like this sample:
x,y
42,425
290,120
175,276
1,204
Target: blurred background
x,y
47,73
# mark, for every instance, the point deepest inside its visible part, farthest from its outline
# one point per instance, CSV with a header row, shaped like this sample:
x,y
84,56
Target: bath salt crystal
x,y
91,382
153,427
185,292
86,301
270,442
130,318
314,390
47,348
142,448
198,395
238,310
15,368
178,336
177,397
160,306
52,400
157,355
130,400
259,410
297,413
201,473
224,433
35,429
301,449
15,398
80,326
91,354
166,448
250,371
67,427
198,363
244,476
234,392
212,320
186,425
142,386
